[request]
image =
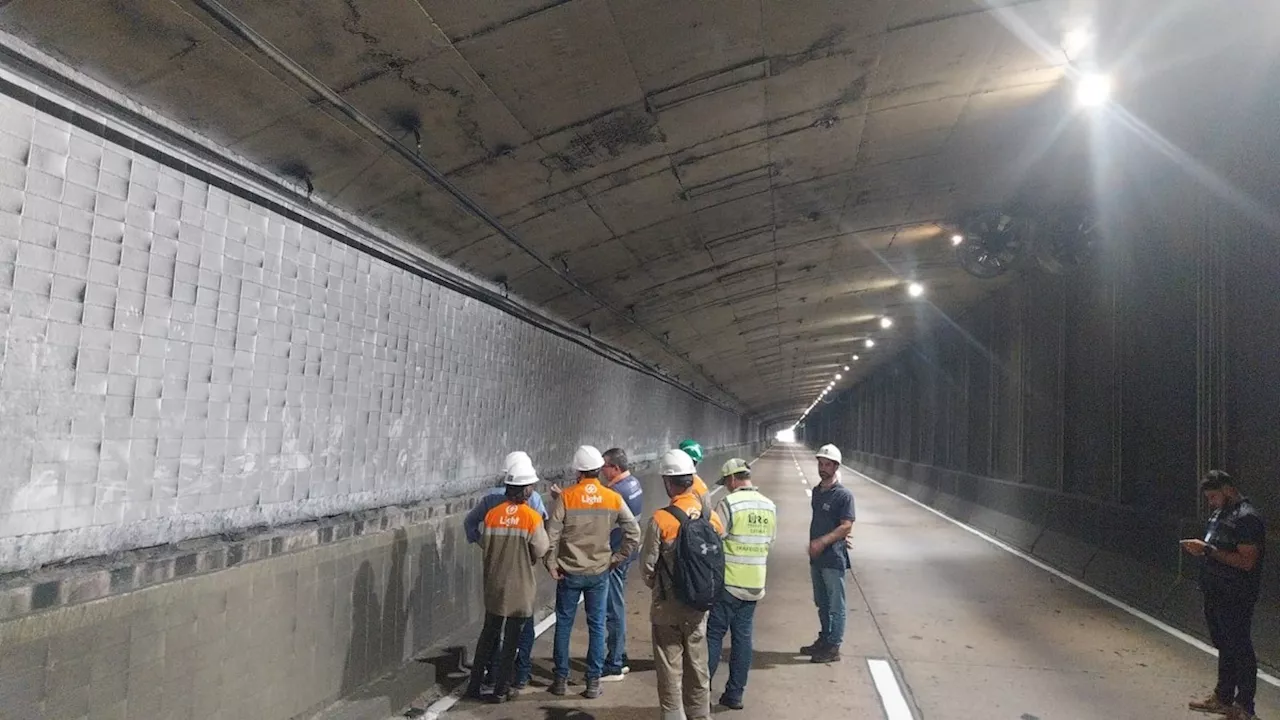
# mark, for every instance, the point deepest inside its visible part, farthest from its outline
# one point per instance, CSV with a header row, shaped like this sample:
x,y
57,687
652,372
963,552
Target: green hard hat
x,y
692,449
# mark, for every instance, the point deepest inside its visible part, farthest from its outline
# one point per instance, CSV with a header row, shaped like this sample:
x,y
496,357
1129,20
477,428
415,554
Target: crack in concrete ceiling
x,y
750,179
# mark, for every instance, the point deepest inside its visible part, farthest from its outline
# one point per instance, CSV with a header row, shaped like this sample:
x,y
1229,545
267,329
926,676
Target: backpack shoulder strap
x,y
680,515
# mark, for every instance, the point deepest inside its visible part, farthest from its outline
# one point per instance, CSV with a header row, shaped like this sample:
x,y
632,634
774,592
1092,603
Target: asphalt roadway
x,y
969,631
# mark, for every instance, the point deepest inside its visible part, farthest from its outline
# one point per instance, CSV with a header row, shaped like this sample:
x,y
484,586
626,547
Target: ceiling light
x,y
855,357
957,239
915,289
886,322
846,368
839,376
870,343
1093,89
1076,41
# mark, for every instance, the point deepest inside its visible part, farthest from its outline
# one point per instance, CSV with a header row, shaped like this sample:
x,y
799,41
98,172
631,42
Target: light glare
x,y
1076,41
1093,90
839,376
957,239
915,289
846,368
870,343
886,322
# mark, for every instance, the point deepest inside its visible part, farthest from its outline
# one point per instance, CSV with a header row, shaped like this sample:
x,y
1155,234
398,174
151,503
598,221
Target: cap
x,y
732,467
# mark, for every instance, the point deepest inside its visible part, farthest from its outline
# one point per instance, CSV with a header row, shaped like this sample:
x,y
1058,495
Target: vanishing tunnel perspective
x,y
545,359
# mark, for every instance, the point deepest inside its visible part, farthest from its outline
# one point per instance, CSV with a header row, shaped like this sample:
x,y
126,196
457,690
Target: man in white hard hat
x,y
514,540
751,523
831,523
582,518
679,629
517,464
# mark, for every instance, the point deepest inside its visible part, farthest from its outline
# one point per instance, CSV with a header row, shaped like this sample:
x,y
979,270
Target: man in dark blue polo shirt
x,y
829,555
618,477
1233,547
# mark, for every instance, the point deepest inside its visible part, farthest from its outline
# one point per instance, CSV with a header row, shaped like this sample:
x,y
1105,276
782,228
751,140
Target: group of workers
x,y
706,568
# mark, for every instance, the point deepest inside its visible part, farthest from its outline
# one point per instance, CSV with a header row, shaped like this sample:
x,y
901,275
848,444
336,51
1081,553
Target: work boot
x,y
1211,704
816,647
496,698
828,654
593,689
559,686
731,703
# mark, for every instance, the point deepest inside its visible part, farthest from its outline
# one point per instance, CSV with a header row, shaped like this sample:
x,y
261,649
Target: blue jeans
x,y
524,658
736,617
616,639
593,589
828,595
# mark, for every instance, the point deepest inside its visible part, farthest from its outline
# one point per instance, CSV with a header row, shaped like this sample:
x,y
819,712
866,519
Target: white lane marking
x,y
1175,632
891,697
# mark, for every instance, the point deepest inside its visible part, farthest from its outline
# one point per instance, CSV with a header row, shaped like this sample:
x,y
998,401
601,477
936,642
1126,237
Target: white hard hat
x,y
830,452
515,458
587,458
522,475
676,462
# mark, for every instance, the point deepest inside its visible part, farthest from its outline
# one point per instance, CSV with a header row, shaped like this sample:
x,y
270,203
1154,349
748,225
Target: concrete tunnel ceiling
x,y
749,185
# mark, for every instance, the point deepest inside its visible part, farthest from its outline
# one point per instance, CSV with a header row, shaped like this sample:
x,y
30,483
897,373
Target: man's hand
x,y
815,548
556,573
555,490
1194,546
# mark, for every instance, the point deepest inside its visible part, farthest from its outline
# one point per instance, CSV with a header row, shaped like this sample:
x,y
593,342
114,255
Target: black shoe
x,y
495,698
828,654
817,647
473,693
593,689
559,686
730,703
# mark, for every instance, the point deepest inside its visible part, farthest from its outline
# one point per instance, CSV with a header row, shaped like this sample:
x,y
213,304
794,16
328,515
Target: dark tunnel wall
x,y
1073,416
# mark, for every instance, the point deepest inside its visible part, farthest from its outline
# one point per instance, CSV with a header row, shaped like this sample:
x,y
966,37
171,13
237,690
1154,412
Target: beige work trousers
x,y
680,657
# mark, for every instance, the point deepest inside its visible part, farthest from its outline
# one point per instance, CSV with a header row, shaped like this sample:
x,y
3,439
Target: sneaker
x,y
731,703
1210,704
816,647
559,686
615,675
495,698
593,689
828,654
519,685
1235,712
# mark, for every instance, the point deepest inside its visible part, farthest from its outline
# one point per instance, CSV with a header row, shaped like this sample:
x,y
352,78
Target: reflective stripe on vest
x,y
752,520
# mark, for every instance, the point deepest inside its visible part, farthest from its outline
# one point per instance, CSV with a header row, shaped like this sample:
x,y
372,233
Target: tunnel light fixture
x,y
915,289
886,322
1093,89
1076,41
870,343
855,358
957,239
846,368
839,376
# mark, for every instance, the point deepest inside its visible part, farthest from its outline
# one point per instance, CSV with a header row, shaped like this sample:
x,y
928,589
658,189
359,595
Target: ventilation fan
x,y
1067,240
991,242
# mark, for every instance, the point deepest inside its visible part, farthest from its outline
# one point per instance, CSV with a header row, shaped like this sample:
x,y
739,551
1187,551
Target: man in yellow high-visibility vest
x,y
751,523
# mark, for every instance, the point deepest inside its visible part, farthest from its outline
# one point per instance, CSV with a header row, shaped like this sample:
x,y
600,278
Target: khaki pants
x,y
680,657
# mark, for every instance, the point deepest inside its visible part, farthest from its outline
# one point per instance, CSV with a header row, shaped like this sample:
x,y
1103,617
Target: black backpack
x,y
697,574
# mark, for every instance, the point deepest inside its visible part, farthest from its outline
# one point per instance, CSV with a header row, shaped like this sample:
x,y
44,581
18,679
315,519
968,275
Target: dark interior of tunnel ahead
x,y
282,283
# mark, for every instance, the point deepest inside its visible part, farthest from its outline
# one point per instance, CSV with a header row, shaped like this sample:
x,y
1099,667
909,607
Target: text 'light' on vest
x,y
753,520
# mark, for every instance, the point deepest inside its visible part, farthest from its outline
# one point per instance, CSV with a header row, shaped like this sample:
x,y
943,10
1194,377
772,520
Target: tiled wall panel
x,y
178,361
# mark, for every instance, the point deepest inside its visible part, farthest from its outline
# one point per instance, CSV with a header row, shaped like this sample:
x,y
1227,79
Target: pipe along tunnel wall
x,y
237,450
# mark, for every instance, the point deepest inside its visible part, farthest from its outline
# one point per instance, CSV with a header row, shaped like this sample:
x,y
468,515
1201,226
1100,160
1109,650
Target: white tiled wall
x,y
177,361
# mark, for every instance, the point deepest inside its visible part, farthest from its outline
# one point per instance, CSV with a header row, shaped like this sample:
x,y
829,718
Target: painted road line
x,y
891,697
1188,639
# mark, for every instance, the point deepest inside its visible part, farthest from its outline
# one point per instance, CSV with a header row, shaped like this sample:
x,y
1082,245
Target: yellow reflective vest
x,y
752,524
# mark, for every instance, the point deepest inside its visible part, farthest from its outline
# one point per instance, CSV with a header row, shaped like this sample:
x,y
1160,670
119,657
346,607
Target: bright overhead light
x,y
1093,89
1075,41
855,357
870,343
846,368
915,289
839,376
886,322
957,239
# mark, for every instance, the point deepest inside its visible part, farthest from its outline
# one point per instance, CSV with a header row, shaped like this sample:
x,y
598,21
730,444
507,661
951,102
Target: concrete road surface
x,y
970,631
